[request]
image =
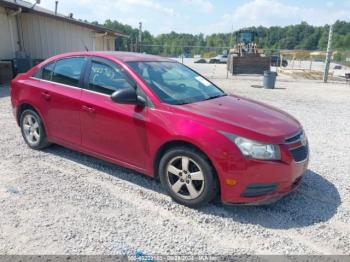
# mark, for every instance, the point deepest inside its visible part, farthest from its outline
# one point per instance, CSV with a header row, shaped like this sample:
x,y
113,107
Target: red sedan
x,y
163,119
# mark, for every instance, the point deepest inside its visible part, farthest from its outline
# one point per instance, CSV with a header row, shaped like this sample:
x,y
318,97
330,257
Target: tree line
x,y
301,36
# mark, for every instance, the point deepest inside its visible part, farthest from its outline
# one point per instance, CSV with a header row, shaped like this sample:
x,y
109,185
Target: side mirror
x,y
128,96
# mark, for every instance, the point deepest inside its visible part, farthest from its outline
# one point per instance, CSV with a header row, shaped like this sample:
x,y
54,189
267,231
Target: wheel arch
x,y
24,106
176,143
173,143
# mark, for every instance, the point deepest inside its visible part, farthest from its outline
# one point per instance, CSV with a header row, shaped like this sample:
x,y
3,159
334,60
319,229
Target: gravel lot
x,y
58,201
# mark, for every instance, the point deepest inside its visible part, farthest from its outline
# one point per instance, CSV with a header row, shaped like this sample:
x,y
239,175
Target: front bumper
x,y
270,198
262,182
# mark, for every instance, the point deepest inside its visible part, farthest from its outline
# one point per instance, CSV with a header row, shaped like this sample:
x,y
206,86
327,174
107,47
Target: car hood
x,y
243,116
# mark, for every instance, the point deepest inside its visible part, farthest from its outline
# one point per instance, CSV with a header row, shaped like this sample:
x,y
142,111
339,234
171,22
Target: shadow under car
x,y
316,200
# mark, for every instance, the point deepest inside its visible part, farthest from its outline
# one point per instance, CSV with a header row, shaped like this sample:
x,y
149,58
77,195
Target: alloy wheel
x,y
185,177
31,129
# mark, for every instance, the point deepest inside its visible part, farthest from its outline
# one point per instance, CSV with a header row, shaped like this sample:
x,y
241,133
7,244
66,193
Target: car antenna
x,y
86,48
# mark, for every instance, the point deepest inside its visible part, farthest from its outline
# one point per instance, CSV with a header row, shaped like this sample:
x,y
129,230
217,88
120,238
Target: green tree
x,y
300,36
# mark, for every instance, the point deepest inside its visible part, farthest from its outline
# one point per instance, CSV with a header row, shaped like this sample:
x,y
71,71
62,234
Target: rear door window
x,y
45,72
68,71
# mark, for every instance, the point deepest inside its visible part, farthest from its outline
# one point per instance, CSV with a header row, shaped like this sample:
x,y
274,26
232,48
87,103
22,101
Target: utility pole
x,y
328,55
228,52
182,55
231,38
140,37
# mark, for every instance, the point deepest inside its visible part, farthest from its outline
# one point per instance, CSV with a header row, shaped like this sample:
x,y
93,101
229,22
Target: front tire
x,y
33,130
188,177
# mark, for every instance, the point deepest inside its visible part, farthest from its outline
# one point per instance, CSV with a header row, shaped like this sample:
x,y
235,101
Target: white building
x,y
27,30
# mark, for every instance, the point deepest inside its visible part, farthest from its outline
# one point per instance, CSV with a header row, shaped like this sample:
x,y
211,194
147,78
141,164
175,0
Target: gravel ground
x,y
58,201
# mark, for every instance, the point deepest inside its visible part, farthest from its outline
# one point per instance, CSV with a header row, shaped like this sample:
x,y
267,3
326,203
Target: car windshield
x,y
175,83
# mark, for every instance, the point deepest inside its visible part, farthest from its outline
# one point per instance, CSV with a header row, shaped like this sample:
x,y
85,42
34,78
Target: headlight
x,y
253,149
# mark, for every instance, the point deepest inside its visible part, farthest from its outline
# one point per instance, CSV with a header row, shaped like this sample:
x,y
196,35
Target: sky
x,y
205,16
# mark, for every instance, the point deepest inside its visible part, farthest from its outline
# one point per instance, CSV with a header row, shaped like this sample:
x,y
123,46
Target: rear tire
x,y
188,177
33,130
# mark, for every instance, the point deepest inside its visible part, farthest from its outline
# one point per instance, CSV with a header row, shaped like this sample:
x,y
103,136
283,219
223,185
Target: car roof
x,y
122,56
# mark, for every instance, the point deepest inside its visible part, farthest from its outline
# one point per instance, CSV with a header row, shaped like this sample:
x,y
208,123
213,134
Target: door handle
x,y
88,109
46,95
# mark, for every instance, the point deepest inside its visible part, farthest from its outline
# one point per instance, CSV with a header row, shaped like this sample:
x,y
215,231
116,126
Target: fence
x,y
188,51
184,51
307,62
342,57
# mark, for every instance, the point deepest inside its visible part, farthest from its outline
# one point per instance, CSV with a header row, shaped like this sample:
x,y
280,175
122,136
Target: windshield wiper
x,y
195,101
183,103
213,97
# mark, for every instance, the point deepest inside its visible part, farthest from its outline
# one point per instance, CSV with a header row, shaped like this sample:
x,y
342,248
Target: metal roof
x,y
119,55
133,57
28,7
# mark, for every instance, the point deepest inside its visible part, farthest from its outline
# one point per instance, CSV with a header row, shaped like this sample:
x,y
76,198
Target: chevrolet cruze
x,y
163,119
